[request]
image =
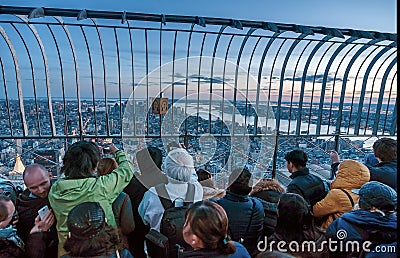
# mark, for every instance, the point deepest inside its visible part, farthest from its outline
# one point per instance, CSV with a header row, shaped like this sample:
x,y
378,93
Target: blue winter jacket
x,y
361,226
385,172
242,216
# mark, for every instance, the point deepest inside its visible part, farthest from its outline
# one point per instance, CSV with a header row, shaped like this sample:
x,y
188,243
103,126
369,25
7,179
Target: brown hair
x,y
209,222
385,149
105,166
265,184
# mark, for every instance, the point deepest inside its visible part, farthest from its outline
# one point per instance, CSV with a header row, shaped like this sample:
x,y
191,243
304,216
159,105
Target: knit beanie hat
x,y
378,195
86,220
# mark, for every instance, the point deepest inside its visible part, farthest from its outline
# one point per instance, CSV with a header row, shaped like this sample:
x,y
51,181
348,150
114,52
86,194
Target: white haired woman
x,y
179,169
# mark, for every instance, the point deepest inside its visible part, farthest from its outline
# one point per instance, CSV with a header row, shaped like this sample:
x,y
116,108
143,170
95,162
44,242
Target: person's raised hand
x,y
45,224
113,149
334,156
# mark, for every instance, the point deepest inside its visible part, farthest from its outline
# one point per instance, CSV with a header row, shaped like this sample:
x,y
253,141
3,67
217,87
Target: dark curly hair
x,y
298,157
81,160
103,243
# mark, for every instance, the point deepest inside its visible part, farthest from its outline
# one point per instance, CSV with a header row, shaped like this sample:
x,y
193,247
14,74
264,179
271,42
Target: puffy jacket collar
x,y
302,172
387,163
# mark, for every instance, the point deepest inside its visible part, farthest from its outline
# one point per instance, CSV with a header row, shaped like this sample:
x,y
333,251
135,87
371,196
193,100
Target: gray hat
x,y
378,195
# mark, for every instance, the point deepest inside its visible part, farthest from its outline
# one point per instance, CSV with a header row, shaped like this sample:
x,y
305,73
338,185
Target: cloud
x,y
318,78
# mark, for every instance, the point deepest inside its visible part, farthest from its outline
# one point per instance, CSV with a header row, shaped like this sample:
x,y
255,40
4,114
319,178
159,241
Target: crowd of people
x,y
101,208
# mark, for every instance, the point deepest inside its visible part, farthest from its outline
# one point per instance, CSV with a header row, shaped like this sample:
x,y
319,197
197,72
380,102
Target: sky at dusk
x,y
354,14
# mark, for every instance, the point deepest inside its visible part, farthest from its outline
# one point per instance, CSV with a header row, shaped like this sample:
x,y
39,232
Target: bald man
x,y
29,202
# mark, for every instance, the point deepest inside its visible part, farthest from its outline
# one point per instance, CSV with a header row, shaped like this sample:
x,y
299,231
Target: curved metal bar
x,y
160,69
247,84
104,73
187,81
293,80
303,80
6,95
62,79
362,49
381,93
46,67
334,82
223,83
313,85
198,82
388,102
364,85
394,125
119,80
91,79
270,83
148,105
260,69
344,84
328,66
204,20
221,30
372,89
286,60
78,88
38,124
173,78
249,32
387,108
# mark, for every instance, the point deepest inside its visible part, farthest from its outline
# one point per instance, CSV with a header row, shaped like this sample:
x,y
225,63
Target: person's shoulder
x,y
241,251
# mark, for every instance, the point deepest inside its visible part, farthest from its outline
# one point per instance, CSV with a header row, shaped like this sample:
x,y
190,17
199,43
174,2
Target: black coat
x,y
47,242
136,189
269,200
309,186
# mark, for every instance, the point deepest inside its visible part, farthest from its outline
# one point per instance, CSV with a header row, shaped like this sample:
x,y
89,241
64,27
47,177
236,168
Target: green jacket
x,y
65,194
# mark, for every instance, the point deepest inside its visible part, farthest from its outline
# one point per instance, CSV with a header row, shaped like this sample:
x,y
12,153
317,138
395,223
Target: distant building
x,y
50,159
15,175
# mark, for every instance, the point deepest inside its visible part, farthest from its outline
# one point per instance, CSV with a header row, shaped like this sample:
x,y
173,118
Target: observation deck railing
x,y
80,74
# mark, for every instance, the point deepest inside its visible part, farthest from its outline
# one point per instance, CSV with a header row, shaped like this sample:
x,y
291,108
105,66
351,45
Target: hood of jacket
x,y
210,192
351,174
370,220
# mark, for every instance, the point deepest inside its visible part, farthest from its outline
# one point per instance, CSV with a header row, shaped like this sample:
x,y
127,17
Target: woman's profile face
x,y
187,233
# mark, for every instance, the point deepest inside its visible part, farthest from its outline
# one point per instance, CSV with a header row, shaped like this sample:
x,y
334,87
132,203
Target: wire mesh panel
x,y
230,90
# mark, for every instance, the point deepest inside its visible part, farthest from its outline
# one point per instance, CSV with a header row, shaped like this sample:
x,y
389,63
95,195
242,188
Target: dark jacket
x,y
269,200
11,245
10,249
123,214
311,234
361,226
28,208
245,213
122,254
309,186
385,172
136,188
241,252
